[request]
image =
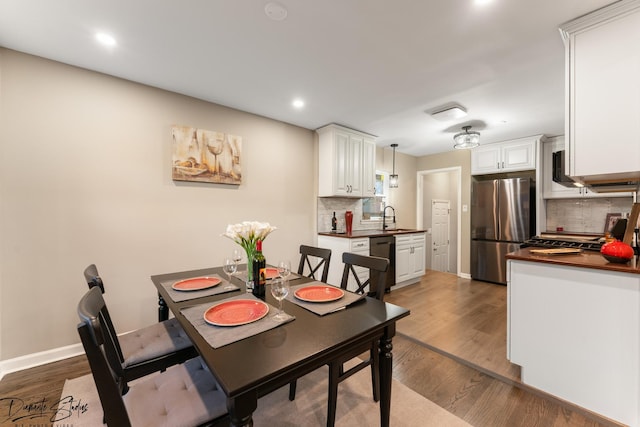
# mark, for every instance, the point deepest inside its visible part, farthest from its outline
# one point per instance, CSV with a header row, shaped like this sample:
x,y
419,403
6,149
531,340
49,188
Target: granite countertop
x,y
586,259
372,233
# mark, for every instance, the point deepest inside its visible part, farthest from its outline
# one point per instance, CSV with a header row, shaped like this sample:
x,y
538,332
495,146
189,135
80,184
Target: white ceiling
x,y
372,65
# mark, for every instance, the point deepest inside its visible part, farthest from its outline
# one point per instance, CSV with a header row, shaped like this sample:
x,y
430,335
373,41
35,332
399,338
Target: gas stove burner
x,y
563,242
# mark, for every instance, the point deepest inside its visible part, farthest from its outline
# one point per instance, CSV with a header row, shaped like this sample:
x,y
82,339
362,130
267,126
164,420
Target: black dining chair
x,y
185,394
146,350
376,266
311,259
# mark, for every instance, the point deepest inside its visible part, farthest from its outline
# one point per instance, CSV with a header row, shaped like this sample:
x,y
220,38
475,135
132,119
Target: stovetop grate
x,y
542,242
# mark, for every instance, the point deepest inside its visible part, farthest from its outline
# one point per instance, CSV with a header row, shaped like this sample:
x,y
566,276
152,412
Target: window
x,y
372,207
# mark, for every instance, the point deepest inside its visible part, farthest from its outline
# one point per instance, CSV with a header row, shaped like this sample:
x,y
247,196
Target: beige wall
x,y
462,159
403,198
85,178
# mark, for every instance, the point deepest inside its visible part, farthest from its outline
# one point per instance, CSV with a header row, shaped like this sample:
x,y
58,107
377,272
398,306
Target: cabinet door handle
x,y
498,165
502,165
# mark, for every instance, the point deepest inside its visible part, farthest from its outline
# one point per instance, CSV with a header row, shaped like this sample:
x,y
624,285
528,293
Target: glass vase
x,y
250,253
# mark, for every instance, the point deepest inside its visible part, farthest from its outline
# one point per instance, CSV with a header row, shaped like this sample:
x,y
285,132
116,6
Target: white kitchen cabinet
x,y
575,333
508,156
553,190
603,93
338,246
368,168
346,162
410,257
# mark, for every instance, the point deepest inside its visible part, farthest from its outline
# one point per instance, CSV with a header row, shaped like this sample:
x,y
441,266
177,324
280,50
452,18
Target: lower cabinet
x,y
575,333
410,257
338,246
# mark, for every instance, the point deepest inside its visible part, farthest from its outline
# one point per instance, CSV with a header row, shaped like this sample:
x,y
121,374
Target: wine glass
x,y
229,267
284,269
237,256
279,290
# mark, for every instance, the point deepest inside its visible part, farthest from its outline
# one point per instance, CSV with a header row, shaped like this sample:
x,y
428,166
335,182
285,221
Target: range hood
x,y
597,185
613,187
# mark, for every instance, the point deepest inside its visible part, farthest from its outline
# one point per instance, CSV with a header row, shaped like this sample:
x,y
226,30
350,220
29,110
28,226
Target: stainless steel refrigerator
x,y
502,217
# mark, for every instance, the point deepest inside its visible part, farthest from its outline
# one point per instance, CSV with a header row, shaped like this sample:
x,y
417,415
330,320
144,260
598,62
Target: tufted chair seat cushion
x,y
183,395
153,341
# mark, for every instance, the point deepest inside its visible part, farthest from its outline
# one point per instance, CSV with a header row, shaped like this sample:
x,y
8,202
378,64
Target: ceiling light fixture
x,y
298,103
451,112
466,139
393,178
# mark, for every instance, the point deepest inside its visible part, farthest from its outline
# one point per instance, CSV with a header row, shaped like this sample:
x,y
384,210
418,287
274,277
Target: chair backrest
x,y
320,256
98,343
93,278
95,281
377,266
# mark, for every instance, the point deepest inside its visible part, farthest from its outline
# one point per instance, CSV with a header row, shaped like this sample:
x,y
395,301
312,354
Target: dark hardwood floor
x,y
451,350
460,317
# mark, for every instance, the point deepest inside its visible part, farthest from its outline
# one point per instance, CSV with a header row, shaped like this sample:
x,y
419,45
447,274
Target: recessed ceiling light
x,y
298,103
482,2
275,11
105,39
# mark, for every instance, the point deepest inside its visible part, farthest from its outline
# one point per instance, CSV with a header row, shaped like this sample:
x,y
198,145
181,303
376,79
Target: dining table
x,y
256,365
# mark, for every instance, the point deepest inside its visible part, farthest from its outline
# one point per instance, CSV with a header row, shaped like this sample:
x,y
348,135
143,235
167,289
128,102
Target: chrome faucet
x,y
384,216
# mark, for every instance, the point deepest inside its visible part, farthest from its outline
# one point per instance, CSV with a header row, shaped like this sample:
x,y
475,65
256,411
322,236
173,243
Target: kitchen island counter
x,y
573,326
357,234
586,259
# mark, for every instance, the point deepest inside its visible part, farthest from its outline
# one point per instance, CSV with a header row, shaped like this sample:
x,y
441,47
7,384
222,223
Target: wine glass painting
x,y
206,156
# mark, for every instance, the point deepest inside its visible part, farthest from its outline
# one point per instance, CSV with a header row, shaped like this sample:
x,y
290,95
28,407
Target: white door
x,y
440,212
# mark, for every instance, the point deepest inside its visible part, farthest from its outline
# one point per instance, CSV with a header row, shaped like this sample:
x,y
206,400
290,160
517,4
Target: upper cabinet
x,y
346,162
554,190
603,94
368,168
509,156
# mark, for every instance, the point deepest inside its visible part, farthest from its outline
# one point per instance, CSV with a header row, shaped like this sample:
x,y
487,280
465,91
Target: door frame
x,y
457,170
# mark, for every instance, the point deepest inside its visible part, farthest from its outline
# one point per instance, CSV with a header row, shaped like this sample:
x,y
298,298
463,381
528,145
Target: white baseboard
x,y
465,275
37,359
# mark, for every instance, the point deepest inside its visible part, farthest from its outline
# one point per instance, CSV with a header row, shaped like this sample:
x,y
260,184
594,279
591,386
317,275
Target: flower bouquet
x,y
246,234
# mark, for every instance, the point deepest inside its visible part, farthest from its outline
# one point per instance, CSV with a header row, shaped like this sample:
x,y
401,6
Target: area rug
x,y
355,405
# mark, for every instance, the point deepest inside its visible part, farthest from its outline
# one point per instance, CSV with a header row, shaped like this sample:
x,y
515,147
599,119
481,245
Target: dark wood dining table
x,y
258,365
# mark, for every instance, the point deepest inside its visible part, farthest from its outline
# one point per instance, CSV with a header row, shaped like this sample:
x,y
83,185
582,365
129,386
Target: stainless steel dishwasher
x,y
385,247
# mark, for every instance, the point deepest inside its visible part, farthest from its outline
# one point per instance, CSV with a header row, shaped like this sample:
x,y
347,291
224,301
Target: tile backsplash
x,y
328,205
584,215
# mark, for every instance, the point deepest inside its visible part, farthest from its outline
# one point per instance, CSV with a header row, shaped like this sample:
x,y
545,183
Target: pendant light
x,y
393,178
466,139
